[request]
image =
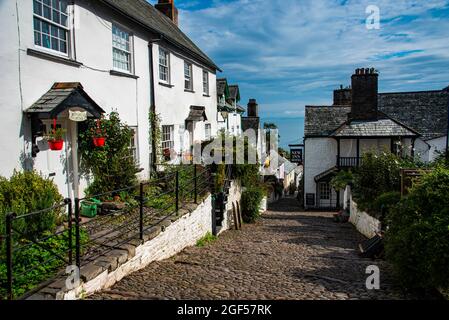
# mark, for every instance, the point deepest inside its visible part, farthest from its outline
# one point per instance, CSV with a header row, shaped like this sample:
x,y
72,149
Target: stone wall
x,y
161,242
364,223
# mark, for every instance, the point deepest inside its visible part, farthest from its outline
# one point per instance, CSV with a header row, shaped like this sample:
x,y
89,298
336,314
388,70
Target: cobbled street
x,y
288,254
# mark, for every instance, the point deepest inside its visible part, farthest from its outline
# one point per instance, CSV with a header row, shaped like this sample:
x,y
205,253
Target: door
x,y
325,195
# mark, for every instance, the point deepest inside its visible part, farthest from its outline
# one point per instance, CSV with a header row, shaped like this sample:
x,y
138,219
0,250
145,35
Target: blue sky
x,y
292,53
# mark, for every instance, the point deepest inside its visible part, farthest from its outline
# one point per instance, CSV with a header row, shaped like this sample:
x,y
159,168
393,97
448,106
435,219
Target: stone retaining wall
x,y
364,223
160,242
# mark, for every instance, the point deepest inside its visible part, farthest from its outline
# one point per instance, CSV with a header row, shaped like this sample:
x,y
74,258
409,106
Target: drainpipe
x,y
153,160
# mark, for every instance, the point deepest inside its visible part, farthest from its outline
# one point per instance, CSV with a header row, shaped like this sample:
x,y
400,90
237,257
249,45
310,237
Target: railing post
x,y
141,211
177,190
9,219
214,215
77,233
70,217
195,178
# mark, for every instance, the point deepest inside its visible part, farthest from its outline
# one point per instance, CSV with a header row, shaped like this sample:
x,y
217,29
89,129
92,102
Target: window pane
x,y
54,43
45,27
63,46
64,20
46,41
47,12
37,24
54,31
37,7
47,2
56,16
63,4
37,38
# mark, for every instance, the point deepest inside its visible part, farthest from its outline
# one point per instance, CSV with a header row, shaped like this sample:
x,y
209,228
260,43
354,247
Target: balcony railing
x,y
348,162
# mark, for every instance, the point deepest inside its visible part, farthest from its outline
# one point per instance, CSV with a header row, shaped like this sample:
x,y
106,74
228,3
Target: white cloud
x,y
288,53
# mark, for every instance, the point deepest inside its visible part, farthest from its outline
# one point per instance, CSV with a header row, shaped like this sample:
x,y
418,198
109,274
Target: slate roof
x,y
197,113
379,128
234,92
322,121
221,86
145,14
425,113
61,96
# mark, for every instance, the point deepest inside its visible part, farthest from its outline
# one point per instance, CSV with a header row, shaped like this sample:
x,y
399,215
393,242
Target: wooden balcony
x,y
348,162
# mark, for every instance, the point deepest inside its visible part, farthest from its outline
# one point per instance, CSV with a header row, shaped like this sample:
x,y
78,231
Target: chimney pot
x,y
168,8
364,95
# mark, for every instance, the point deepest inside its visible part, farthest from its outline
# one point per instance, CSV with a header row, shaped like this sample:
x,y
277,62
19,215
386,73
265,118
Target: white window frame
x,y
208,131
168,137
188,76
41,19
134,143
165,66
206,86
325,190
120,49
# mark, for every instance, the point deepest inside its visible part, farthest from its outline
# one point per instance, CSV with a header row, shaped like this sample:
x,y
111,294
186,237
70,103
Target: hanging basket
x,y
56,145
99,141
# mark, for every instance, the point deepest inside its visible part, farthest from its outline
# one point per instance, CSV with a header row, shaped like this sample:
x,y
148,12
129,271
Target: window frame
x,y
42,19
123,29
134,143
167,66
188,78
208,131
325,190
168,143
206,85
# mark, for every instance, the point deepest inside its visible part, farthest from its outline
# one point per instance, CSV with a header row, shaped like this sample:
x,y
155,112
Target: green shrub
x,y
342,179
376,175
207,239
385,201
43,263
417,239
250,202
27,192
113,166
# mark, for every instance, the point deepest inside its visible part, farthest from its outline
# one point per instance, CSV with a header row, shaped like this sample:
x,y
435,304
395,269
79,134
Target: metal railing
x,y
348,162
146,205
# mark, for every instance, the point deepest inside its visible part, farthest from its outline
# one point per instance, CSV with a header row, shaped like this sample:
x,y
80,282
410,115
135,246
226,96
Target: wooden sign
x,y
78,116
296,156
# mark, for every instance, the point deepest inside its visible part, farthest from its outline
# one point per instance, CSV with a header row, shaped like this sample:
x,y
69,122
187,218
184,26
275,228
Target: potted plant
x,y
56,139
98,136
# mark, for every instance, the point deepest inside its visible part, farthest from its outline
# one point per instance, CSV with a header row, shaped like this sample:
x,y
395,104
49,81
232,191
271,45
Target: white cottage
x,y
92,57
362,120
230,113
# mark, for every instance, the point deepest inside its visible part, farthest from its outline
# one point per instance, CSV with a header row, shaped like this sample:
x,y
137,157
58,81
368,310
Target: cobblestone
x,y
288,254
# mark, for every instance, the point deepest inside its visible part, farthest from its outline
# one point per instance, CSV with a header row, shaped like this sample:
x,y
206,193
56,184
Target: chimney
x,y
253,108
342,96
167,7
364,95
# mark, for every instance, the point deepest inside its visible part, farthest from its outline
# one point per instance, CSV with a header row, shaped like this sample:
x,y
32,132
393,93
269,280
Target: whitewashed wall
x,y
26,78
320,155
173,103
